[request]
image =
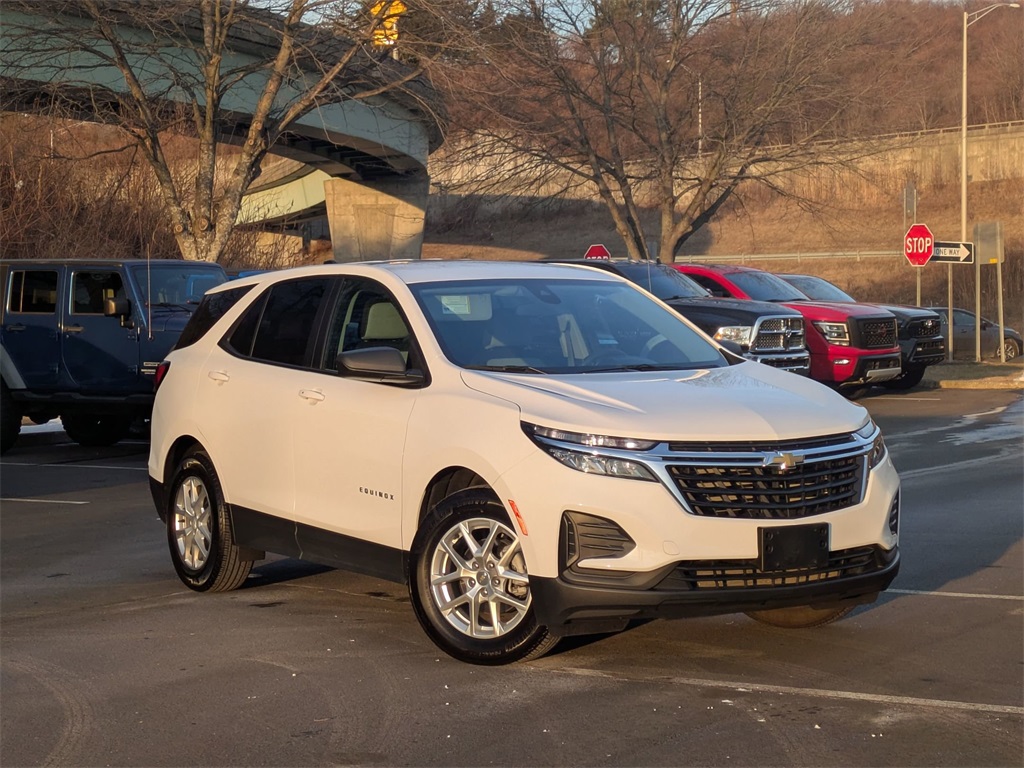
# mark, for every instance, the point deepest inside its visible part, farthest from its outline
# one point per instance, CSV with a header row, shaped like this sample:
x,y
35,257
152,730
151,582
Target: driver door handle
x,y
73,329
219,376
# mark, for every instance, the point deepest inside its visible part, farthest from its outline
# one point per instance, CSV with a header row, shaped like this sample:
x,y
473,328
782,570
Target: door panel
x,y
350,435
99,354
31,319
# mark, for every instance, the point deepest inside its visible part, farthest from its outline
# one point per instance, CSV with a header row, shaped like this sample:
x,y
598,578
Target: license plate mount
x,y
794,547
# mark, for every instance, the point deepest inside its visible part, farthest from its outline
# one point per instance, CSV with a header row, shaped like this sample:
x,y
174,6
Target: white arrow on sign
x,y
957,253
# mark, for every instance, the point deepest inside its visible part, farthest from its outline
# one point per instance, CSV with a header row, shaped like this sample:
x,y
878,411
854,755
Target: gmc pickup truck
x,y
81,340
852,346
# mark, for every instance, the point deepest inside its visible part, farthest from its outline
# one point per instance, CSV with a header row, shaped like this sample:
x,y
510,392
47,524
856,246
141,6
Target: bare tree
x,y
671,106
183,66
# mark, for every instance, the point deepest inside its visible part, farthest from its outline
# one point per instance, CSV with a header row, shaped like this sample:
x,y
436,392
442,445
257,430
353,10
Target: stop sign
x,y
918,245
597,251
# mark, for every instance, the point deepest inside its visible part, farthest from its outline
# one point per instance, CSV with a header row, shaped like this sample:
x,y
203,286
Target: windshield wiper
x,y
507,368
637,367
170,305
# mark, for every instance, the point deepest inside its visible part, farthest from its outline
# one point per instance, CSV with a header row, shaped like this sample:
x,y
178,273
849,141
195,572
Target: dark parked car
x,y
963,335
768,333
919,331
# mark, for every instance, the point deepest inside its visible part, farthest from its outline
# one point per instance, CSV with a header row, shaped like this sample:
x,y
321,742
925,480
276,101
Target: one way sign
x,y
953,253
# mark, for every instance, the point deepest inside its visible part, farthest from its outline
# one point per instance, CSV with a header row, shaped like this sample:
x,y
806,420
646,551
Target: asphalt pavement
x,y
106,659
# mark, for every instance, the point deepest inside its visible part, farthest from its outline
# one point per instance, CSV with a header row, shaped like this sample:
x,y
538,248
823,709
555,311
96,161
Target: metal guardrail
x,y
798,257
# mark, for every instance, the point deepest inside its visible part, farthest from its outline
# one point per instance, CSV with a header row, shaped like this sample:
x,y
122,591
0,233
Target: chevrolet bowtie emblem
x,y
783,461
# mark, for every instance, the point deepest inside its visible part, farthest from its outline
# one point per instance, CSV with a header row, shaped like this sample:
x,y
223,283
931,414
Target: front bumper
x,y
918,353
707,588
868,369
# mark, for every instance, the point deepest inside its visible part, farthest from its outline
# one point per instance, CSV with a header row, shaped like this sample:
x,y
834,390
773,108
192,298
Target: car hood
x,y
836,309
906,312
748,401
744,306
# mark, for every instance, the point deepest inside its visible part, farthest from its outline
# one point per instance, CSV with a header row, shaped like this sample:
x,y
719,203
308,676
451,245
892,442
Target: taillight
x,y
161,372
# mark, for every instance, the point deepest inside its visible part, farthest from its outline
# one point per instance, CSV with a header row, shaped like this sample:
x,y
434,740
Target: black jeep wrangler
x,y
81,339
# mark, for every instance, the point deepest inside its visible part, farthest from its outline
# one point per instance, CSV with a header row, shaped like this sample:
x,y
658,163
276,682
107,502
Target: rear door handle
x,y
17,328
219,376
313,395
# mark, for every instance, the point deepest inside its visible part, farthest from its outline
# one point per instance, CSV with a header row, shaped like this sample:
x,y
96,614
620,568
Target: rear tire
x,y
909,379
801,616
96,431
10,419
199,529
469,584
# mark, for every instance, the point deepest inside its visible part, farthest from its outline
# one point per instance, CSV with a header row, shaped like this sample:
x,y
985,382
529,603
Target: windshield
x,y
559,326
176,283
818,289
664,282
764,286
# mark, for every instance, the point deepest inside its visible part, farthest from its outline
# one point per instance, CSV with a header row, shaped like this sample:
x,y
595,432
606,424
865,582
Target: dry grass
x,y
772,226
976,375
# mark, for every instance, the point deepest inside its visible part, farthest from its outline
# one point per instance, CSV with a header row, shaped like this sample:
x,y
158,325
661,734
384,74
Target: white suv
x,y
536,450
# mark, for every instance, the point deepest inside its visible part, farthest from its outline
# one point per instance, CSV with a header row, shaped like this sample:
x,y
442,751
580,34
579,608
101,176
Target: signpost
x,y
597,251
953,253
918,244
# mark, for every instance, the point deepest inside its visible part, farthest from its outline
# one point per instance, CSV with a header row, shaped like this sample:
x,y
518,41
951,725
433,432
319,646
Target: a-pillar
x,y
377,220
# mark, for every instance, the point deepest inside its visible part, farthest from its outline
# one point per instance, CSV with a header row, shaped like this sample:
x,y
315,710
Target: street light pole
x,y
969,18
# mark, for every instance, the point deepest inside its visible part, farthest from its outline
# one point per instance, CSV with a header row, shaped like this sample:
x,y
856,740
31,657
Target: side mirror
x,y
119,308
385,365
985,324
733,350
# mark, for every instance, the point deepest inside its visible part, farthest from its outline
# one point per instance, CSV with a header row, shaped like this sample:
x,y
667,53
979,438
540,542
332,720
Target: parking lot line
x,y
45,501
746,687
954,594
73,466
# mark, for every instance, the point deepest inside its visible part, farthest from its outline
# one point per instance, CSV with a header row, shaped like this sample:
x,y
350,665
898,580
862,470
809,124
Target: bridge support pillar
x,y
382,220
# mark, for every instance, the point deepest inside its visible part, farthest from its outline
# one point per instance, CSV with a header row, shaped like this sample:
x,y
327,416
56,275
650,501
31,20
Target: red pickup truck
x,y
852,346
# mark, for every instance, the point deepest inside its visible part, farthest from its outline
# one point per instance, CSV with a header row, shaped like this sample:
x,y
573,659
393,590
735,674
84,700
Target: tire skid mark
x,y
77,713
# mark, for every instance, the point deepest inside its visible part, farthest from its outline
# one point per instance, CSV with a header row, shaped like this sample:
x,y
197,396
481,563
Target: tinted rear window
x,y
211,309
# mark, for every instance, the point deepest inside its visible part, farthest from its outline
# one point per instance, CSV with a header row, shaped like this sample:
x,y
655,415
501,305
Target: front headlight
x,y
834,333
590,461
741,334
870,431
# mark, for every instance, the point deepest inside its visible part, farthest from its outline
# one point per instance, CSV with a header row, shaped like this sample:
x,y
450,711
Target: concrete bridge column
x,y
382,220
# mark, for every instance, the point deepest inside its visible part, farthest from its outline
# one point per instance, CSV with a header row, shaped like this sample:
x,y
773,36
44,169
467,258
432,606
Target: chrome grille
x,y
779,334
877,334
779,480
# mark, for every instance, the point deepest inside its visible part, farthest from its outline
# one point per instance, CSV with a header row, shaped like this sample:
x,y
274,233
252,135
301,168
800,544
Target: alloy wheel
x,y
478,578
192,522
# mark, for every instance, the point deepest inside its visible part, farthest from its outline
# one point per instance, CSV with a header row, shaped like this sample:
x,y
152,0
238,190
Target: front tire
x,y
199,529
10,419
801,616
96,431
469,584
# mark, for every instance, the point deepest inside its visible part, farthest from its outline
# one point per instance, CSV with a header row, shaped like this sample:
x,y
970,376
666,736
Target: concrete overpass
x,y
362,162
